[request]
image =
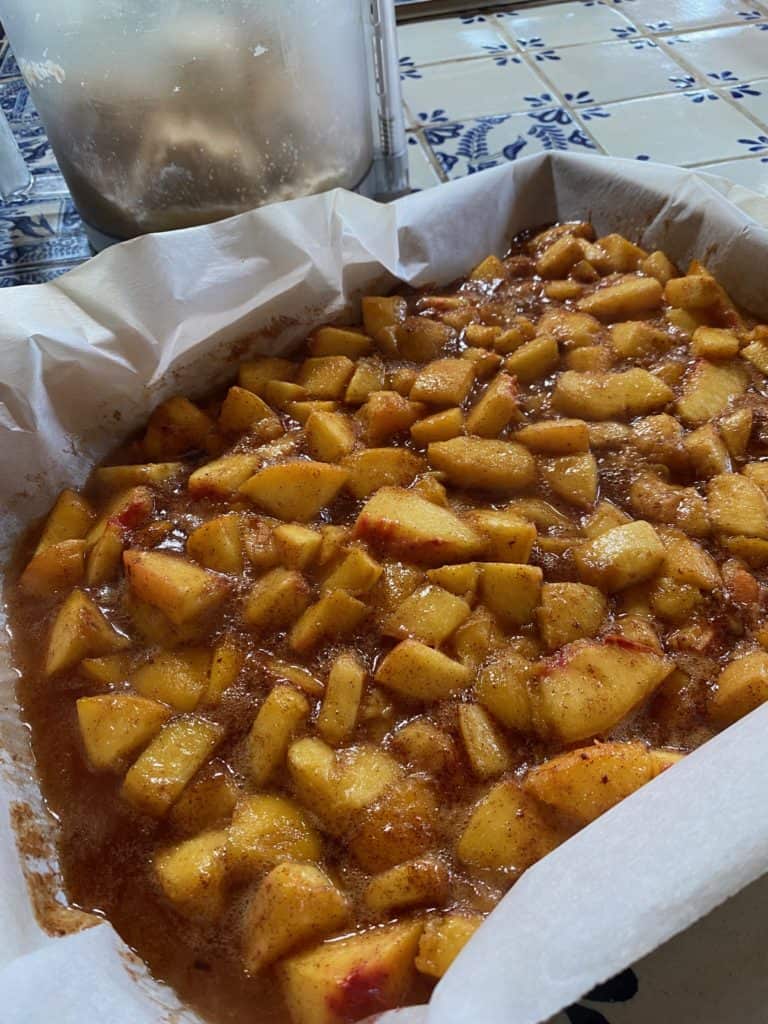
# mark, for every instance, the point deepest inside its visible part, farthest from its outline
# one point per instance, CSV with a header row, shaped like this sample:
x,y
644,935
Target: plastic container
x,y
168,113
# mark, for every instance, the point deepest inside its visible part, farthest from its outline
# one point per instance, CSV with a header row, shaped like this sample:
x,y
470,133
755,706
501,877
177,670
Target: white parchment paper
x,y
85,358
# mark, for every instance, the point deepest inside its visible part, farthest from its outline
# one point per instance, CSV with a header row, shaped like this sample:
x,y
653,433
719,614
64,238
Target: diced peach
x,y
70,519
335,615
80,630
176,427
381,467
243,411
413,528
443,382
621,557
585,783
490,465
506,830
422,673
276,600
351,978
165,767
591,686
295,490
56,567
255,374
181,590
115,725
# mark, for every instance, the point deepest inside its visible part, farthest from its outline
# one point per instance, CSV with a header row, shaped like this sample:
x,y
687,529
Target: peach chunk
x,y
741,687
506,831
407,525
483,463
180,589
585,783
293,905
348,979
79,631
295,490
621,557
114,726
592,685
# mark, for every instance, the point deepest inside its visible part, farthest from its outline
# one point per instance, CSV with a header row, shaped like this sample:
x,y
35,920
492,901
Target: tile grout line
x,y
673,53
700,87
434,163
734,104
581,107
741,158
556,93
700,83
660,41
672,92
642,33
657,40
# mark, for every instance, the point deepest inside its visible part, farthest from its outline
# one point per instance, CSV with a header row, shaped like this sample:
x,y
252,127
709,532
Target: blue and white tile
x,y
39,231
685,128
429,42
565,24
15,101
472,88
480,143
37,275
420,170
741,51
601,72
8,66
683,15
37,152
25,255
750,96
751,173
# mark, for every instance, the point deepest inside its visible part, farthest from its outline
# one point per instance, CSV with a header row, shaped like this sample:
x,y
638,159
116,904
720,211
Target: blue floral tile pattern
x,y
448,39
566,24
480,143
616,70
679,15
41,234
660,128
488,86
741,49
470,88
751,97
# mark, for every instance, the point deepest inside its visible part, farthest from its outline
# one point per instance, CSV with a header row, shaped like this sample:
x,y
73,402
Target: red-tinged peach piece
x,y
410,527
591,685
351,978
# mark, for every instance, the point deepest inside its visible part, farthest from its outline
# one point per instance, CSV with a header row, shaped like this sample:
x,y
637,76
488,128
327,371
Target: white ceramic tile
x,y
750,96
676,15
601,72
450,92
684,128
741,51
752,173
563,24
426,42
421,172
480,143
